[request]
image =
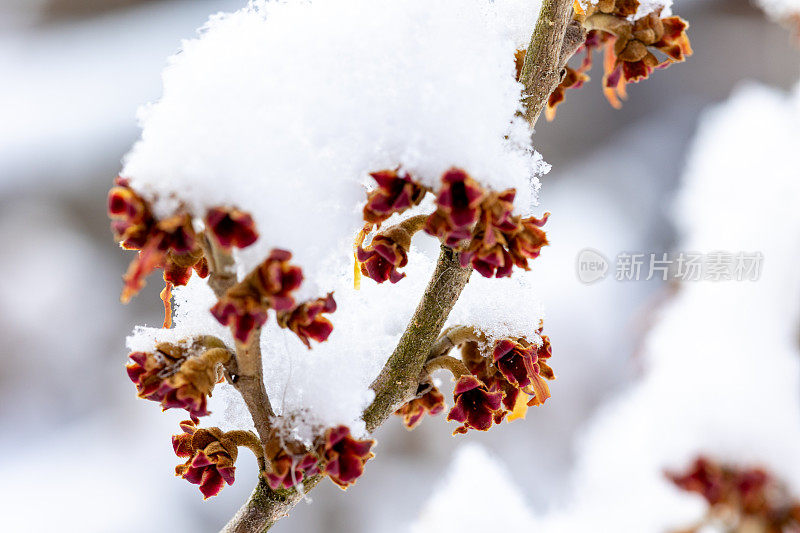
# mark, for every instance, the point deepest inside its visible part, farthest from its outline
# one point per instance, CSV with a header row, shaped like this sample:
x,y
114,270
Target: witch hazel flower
x,y
307,321
344,456
270,286
210,455
288,470
395,193
475,405
179,375
630,44
494,379
388,251
430,402
170,243
741,498
480,224
457,207
231,228
524,366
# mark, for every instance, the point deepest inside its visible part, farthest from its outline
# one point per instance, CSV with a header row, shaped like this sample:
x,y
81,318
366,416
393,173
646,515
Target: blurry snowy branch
x,y
265,202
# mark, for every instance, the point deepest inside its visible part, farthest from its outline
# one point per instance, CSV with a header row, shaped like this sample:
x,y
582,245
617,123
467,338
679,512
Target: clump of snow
x,y
478,494
780,9
501,308
282,109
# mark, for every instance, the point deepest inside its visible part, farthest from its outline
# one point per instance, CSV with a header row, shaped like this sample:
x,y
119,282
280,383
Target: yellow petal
x,y
356,274
520,408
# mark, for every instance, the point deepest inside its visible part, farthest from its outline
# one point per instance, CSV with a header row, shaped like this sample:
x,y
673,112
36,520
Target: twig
x,y
244,371
544,59
446,362
452,337
399,378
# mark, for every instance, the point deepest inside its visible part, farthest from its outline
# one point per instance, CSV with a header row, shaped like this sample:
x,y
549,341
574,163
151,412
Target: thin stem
x,y
244,371
249,440
449,363
452,337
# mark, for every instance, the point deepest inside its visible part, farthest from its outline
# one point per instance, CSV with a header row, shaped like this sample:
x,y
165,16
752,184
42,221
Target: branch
x,y
399,378
548,53
245,371
397,382
267,506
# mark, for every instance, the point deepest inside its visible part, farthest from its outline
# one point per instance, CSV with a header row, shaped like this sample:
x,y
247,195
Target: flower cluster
x,y
170,243
493,390
244,307
179,375
211,455
336,454
478,223
429,400
629,44
745,499
629,47
270,286
481,225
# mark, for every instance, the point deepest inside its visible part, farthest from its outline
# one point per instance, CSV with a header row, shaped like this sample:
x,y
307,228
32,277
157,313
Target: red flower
x,y
746,498
527,242
500,240
345,456
458,206
489,262
231,227
270,286
170,243
211,457
179,376
475,406
395,193
306,319
289,470
242,313
432,402
381,259
515,361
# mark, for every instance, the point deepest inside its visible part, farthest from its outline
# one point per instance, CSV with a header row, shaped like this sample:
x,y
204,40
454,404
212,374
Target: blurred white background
x,y
79,451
